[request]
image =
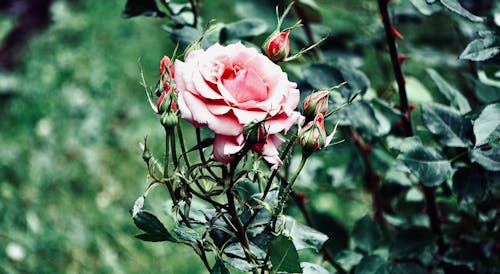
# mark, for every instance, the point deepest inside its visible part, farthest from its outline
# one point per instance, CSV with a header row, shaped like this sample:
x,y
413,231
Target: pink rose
x,y
229,87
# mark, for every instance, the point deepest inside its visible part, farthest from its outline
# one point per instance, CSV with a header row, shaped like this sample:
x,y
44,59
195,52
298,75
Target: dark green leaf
x,y
487,125
304,236
372,264
240,264
367,234
489,158
456,7
237,250
362,117
322,76
425,7
469,184
457,100
141,7
246,28
347,259
310,268
467,255
481,49
185,233
411,243
283,255
219,268
309,10
183,35
450,127
150,224
486,93
408,268
148,237
427,163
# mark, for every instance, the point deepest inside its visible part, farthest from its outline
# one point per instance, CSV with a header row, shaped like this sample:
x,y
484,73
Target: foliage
x,y
411,189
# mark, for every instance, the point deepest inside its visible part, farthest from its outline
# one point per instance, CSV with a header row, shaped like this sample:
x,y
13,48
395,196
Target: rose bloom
x,y
228,87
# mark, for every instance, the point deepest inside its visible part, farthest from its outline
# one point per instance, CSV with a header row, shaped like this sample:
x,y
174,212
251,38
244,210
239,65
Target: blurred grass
x,y
70,165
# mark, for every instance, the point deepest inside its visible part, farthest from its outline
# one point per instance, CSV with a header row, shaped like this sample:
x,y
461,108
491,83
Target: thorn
x,y
396,33
402,58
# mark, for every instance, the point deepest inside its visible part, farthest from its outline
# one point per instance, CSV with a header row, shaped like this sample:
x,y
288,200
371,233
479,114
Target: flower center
x,y
244,84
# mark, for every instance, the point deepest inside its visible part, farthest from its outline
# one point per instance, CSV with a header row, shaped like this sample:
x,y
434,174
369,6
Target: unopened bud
x,y
313,136
169,119
277,46
315,104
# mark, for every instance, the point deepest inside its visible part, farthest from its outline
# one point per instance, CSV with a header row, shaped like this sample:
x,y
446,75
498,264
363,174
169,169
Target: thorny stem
x,y
240,228
396,65
183,146
286,192
271,178
372,180
429,192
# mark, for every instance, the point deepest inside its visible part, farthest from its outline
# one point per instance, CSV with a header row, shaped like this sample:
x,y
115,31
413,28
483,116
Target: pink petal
x,y
225,147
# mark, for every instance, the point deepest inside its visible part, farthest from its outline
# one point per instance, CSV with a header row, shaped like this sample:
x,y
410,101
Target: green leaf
x,y
469,185
149,223
482,49
237,250
372,264
417,92
487,125
347,259
408,268
456,7
187,234
467,255
424,7
364,118
304,236
367,234
411,243
322,76
310,10
456,98
427,163
246,28
310,268
488,158
141,7
450,127
240,264
219,268
283,255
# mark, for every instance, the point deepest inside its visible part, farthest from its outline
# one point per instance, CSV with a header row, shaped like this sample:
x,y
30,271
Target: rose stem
x,y
429,192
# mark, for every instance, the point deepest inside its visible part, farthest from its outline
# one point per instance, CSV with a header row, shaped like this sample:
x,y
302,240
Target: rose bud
x,y
166,72
277,45
313,136
165,103
315,104
169,119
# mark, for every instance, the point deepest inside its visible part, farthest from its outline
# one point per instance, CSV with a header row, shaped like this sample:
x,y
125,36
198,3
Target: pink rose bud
x,y
313,136
166,72
165,103
315,104
277,46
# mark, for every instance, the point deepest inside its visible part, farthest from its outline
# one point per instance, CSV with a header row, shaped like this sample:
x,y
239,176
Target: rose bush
x,y
229,87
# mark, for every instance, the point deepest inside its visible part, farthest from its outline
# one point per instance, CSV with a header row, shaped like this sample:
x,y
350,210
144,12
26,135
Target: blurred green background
x,y
72,114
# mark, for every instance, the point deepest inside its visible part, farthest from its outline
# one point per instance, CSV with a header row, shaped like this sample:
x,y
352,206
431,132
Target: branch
x,y
390,35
